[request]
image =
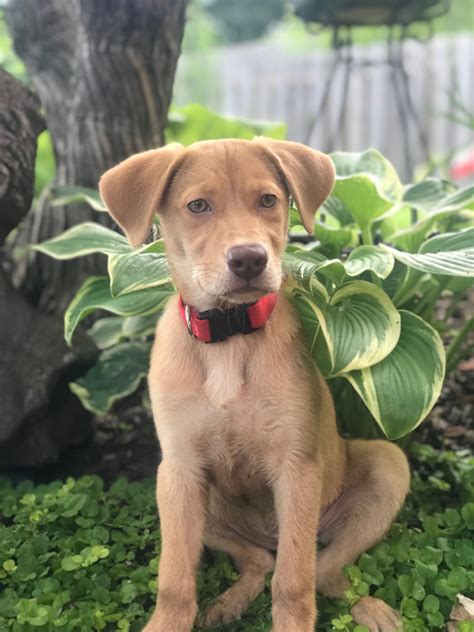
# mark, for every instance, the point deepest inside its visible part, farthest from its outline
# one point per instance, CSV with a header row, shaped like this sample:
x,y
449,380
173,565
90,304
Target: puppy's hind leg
x,y
377,483
253,563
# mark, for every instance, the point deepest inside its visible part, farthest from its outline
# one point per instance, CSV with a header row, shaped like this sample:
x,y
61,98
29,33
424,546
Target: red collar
x,y
216,325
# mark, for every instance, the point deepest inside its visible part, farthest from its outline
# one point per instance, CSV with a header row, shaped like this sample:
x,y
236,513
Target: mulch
x,y
124,444
450,424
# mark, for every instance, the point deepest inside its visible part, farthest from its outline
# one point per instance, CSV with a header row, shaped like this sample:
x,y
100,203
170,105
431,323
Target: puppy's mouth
x,y
236,292
245,293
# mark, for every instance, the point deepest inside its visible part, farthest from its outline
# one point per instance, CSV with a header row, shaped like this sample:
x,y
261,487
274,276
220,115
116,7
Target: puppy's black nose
x,y
247,261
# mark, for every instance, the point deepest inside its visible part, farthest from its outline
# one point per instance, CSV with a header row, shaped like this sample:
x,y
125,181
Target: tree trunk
x,y
104,71
20,124
38,413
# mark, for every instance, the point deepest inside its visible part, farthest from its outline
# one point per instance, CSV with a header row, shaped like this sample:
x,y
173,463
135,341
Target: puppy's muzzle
x,y
247,261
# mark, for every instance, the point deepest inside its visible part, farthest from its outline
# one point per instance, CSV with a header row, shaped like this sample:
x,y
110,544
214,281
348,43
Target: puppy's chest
x,y
238,453
228,373
242,367
247,433
253,397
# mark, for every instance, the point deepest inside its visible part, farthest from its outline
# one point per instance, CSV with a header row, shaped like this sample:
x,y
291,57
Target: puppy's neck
x,y
230,366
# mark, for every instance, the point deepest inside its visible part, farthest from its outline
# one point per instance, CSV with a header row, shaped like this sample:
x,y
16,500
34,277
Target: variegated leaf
x,y
117,373
137,271
84,239
359,324
401,390
450,254
95,294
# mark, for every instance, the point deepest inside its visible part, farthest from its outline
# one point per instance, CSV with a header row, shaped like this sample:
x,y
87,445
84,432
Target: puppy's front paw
x,y
166,620
376,615
227,608
162,625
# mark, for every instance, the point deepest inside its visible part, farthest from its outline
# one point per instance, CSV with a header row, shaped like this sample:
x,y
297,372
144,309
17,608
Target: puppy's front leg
x,y
297,493
182,499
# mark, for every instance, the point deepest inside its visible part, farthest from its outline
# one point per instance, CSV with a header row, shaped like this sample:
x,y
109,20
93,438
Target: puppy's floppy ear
x,y
132,190
309,174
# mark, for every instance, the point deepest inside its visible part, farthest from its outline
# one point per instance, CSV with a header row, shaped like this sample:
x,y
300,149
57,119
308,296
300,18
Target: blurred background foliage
x,y
211,24
220,22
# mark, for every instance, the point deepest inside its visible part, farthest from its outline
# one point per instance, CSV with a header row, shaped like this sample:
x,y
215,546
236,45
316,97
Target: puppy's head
x,y
223,209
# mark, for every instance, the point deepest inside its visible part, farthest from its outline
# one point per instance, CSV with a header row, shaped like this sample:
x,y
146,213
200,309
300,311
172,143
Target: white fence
x,y
258,82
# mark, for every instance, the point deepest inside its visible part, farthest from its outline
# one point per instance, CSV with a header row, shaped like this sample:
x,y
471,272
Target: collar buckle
x,y
216,325
228,322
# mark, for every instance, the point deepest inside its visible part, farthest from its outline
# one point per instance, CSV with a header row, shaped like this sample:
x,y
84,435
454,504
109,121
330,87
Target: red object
x,y
463,167
216,325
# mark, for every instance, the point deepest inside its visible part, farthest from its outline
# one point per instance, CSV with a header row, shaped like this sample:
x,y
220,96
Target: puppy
x,y
252,461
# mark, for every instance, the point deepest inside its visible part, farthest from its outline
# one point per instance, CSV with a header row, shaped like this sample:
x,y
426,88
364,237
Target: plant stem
x,y
367,235
405,442
367,240
425,307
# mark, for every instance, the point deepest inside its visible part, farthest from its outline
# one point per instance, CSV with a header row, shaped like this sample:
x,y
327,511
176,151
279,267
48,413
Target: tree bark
x,y
38,413
20,124
104,72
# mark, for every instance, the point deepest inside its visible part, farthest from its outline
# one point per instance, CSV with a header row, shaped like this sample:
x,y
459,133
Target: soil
x,y
450,424
124,444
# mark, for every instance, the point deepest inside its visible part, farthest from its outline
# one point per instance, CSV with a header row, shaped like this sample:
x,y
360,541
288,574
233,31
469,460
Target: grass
x,y
75,556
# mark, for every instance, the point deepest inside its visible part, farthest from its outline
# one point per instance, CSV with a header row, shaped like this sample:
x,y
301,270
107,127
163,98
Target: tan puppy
x,y
252,462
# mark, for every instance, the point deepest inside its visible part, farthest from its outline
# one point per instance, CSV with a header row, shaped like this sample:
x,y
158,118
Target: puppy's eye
x,y
267,200
198,206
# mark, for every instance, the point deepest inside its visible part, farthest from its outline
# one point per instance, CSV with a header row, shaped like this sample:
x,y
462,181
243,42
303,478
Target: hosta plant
x,y
366,291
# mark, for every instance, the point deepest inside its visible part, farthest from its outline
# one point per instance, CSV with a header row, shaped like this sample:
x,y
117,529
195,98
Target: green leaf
x,y
140,325
106,331
84,239
370,258
449,242
433,196
459,579
467,513
95,294
338,237
117,373
427,193
71,563
62,196
359,261
401,389
333,209
137,271
302,266
194,122
452,517
367,185
451,254
73,505
411,237
10,566
359,323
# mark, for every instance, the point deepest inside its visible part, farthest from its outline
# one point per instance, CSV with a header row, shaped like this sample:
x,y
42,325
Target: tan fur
x,y
252,462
